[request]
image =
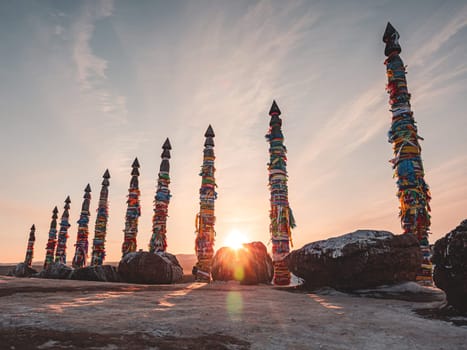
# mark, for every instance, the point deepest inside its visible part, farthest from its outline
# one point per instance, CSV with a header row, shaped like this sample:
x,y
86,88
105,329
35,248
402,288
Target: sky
x,y
90,85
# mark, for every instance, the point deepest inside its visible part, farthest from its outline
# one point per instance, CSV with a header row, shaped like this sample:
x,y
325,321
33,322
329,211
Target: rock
x,y
56,271
150,268
248,265
102,273
450,273
22,270
357,260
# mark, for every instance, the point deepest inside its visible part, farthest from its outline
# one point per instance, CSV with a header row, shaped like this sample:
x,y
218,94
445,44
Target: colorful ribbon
x,y
205,219
60,254
158,241
81,251
100,228
30,248
281,216
413,192
52,241
133,212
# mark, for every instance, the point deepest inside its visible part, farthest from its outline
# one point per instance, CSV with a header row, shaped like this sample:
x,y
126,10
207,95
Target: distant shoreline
x,y
186,261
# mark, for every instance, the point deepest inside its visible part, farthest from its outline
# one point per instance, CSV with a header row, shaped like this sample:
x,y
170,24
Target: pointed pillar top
x,y
167,144
274,109
87,192
33,227
165,154
54,213
67,203
209,132
134,174
388,32
106,177
391,39
209,142
166,149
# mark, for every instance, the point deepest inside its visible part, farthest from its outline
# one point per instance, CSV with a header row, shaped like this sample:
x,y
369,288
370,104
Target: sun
x,y
235,239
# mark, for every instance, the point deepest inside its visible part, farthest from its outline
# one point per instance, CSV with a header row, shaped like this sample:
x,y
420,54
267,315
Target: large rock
x,y
361,259
150,268
21,270
450,259
102,273
248,265
56,271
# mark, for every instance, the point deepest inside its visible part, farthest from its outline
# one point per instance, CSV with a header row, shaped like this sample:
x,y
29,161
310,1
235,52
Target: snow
x,y
264,316
129,257
295,280
50,344
333,247
410,291
406,287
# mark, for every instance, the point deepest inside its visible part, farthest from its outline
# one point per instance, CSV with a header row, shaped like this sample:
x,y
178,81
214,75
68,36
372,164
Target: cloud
x,y
439,72
249,71
355,123
91,70
58,30
444,82
349,127
113,104
433,44
89,66
451,173
449,193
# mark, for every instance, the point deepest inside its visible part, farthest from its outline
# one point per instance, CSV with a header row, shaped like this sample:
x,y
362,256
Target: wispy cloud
x,y
350,126
433,44
437,73
356,122
252,71
113,104
237,69
89,66
58,30
447,176
441,83
91,70
449,194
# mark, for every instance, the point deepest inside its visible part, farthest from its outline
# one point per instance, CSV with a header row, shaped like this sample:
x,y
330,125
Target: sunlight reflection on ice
x,y
165,304
89,300
326,304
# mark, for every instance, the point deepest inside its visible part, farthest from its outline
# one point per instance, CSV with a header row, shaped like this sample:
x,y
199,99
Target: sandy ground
x,y
62,314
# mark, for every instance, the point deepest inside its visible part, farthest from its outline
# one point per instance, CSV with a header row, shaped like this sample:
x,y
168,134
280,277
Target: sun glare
x,y
235,239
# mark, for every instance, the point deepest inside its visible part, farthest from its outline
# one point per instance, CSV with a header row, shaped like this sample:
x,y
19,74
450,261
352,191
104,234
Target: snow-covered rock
x,y
150,268
450,259
334,247
361,259
102,273
21,270
56,271
250,264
